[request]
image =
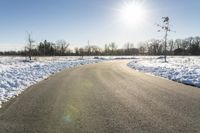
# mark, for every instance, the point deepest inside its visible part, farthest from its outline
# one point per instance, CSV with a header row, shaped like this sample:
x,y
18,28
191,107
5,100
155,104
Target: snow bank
x,y
16,73
181,69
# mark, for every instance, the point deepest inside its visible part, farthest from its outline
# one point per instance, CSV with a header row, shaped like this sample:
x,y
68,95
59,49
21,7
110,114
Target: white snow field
x,y
17,73
184,69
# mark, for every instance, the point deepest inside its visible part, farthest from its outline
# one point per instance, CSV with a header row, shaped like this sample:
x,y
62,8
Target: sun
x,y
133,13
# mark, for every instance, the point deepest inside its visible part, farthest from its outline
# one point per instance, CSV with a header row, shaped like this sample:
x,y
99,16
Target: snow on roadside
x,y
17,74
181,69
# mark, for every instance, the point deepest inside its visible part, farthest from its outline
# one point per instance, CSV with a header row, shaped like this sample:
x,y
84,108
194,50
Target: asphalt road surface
x,y
106,97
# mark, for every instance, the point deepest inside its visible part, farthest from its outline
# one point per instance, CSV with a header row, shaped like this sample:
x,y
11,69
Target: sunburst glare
x,y
133,13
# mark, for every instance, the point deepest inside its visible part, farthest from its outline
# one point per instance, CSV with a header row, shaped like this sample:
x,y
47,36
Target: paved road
x,y
103,98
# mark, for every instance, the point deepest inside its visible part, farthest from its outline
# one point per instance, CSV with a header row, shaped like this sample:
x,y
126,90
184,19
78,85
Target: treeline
x,y
188,46
61,48
109,49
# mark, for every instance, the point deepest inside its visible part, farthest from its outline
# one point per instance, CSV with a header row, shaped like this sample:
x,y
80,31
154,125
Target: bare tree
x,y
177,43
62,45
190,41
165,27
171,46
129,48
81,52
106,49
30,46
113,47
88,49
142,50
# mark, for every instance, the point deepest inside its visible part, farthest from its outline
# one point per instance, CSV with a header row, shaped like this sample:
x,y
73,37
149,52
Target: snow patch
x,y
181,69
17,73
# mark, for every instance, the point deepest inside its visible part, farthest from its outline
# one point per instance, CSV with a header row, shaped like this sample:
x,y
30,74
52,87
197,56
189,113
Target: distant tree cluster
x,y
60,48
109,49
188,46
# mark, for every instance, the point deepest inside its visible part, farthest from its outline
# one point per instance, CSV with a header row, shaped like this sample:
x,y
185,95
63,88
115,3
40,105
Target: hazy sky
x,y
96,20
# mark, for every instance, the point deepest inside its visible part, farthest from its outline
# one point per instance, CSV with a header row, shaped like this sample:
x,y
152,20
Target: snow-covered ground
x,y
181,69
17,74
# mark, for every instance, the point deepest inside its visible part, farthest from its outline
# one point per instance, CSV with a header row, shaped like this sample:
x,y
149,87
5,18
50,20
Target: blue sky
x,y
96,20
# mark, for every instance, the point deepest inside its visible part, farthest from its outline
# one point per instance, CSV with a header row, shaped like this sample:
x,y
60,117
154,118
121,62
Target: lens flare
x,y
70,114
